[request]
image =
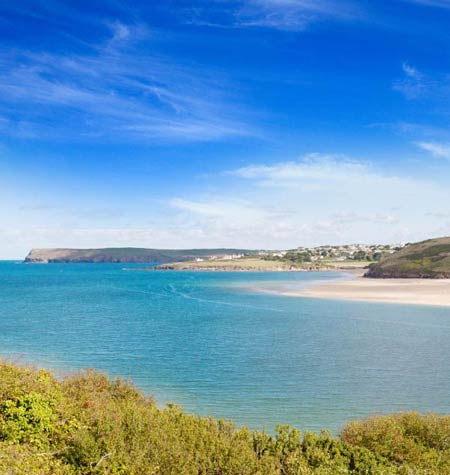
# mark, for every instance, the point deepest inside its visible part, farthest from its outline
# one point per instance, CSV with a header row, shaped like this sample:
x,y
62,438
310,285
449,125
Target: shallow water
x,y
209,342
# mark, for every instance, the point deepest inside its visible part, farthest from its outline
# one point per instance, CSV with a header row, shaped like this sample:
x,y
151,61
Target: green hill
x,y
426,259
87,424
126,254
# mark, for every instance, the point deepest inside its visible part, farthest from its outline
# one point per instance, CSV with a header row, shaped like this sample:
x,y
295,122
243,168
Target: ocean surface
x,y
211,343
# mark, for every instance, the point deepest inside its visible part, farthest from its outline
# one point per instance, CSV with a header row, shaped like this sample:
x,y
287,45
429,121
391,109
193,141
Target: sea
x,y
215,344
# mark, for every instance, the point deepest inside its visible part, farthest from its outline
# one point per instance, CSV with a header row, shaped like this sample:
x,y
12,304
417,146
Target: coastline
x,y
430,292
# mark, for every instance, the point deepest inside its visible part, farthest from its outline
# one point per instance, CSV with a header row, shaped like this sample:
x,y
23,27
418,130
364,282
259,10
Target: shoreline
x,y
428,292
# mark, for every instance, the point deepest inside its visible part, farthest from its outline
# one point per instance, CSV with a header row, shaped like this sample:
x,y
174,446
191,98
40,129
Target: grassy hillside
x,y
126,254
88,424
426,259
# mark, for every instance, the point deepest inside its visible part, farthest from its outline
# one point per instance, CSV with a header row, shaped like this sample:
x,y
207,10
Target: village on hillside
x,y
338,253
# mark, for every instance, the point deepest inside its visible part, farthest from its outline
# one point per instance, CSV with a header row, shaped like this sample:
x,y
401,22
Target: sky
x,y
223,123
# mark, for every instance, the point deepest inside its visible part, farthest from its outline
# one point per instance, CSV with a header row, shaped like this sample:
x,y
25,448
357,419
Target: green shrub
x,y
22,459
26,419
411,440
89,424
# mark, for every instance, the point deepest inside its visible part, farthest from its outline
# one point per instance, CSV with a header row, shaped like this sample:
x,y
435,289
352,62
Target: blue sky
x,y
237,123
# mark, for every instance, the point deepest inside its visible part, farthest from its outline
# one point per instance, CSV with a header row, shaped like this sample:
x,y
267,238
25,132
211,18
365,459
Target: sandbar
x,y
434,292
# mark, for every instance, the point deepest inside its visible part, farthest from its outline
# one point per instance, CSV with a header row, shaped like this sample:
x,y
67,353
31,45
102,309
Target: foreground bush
x,y
88,424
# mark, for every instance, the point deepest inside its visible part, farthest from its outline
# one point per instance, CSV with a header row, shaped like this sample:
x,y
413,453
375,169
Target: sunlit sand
x,y
400,291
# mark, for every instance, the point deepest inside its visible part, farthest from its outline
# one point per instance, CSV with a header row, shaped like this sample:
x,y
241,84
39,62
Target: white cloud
x,y
237,211
349,218
326,173
317,199
311,171
439,214
436,149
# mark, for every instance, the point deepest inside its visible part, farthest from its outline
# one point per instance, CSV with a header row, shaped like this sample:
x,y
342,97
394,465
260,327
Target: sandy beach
x,y
434,292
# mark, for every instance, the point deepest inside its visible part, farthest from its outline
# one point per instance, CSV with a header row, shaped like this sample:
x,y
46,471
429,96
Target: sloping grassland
x,y
426,259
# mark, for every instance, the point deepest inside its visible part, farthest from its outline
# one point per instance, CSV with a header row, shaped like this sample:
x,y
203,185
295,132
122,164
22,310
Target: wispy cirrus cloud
x,y
432,3
115,89
416,84
438,150
411,71
413,84
430,91
288,15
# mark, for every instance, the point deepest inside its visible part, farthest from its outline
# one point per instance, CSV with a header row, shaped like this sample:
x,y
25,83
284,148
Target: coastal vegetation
x,y
89,424
426,259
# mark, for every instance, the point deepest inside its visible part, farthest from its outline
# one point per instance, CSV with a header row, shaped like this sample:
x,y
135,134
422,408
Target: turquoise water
x,y
209,343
